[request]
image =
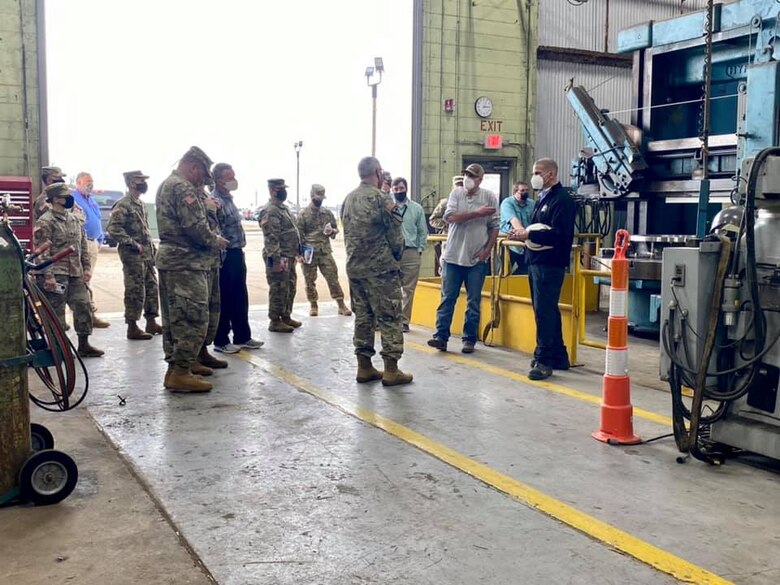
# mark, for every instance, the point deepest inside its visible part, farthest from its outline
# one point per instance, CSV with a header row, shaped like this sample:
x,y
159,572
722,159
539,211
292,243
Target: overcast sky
x,y
135,84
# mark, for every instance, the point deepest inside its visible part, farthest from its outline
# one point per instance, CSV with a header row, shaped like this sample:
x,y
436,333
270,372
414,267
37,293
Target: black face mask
x,y
317,202
281,195
69,202
524,196
141,187
400,196
58,180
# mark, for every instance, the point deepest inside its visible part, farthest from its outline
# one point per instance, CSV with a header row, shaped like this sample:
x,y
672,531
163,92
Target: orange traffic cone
x,y
616,411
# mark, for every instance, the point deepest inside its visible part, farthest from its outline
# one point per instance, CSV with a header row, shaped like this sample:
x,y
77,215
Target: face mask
x,y
69,202
231,185
281,195
468,183
60,180
523,196
400,196
317,202
537,182
141,187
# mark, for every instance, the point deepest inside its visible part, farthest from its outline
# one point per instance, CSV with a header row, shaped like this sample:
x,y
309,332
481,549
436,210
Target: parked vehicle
x,y
106,200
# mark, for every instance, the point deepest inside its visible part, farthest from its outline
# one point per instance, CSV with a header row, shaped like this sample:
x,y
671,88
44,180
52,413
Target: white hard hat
x,y
535,227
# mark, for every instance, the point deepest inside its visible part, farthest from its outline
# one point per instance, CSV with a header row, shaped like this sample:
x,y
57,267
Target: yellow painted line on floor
x,y
622,541
551,386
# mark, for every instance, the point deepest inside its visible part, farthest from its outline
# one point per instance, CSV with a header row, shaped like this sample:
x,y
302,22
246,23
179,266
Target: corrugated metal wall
x,y
558,132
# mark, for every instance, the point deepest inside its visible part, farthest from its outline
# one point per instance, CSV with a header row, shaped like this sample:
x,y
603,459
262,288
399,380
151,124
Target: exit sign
x,y
493,141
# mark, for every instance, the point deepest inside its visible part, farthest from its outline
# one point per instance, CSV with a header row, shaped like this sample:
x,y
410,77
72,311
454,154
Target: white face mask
x,y
231,185
468,183
537,183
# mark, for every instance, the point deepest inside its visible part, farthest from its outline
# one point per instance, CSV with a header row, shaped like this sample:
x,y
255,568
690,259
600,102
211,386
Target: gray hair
x,y
367,167
220,168
548,164
83,174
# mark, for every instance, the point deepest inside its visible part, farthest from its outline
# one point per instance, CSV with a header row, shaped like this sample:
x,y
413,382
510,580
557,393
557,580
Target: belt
x,y
91,239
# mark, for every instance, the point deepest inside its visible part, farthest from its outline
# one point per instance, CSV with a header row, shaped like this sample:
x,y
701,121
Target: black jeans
x,y
546,282
519,261
234,300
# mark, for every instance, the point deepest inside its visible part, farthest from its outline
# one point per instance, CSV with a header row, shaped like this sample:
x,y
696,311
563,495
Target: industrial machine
x,y
705,98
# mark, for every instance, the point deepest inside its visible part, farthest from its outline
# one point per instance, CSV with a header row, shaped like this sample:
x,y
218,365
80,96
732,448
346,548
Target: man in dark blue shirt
x,y
93,229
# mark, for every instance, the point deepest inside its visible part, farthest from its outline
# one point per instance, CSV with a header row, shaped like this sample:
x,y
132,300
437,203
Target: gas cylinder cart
x,y
31,470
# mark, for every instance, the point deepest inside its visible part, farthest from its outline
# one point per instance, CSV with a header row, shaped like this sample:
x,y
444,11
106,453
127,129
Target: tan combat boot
x,y
343,309
133,332
199,369
208,360
181,380
153,327
86,350
366,371
98,323
291,322
392,376
167,375
314,310
279,326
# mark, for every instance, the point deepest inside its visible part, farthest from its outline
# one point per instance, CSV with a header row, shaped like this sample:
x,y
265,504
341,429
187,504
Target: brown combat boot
x,y
343,309
278,326
153,327
181,380
314,311
291,322
366,371
167,375
199,369
392,376
133,332
86,350
98,323
208,360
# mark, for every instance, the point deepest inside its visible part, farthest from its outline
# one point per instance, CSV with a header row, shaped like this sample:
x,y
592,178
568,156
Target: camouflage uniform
x,y
281,244
374,245
311,223
214,215
184,262
129,226
63,230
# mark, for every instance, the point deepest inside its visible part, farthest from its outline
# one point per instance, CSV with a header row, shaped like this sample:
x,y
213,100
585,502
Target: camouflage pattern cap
x,y
56,190
130,175
317,189
197,155
55,172
277,184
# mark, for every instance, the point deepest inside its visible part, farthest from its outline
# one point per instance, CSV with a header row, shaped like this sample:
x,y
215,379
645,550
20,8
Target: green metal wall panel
x,y
472,50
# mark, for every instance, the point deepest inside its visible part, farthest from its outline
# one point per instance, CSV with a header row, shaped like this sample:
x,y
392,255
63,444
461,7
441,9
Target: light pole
x,y
298,145
377,69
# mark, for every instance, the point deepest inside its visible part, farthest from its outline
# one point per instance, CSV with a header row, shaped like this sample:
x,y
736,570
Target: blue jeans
x,y
452,277
545,283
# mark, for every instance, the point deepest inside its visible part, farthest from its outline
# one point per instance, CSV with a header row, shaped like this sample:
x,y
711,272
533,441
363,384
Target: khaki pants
x,y
93,248
410,271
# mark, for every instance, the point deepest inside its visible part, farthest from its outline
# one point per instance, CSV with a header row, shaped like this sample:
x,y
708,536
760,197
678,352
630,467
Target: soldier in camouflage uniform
x,y
184,260
64,282
129,227
318,227
281,250
372,230
206,361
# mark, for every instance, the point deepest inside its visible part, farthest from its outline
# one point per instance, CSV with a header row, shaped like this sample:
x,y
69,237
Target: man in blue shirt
x,y
516,215
93,229
415,232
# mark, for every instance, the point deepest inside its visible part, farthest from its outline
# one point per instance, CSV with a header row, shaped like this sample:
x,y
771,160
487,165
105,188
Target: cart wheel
x,y
41,437
47,477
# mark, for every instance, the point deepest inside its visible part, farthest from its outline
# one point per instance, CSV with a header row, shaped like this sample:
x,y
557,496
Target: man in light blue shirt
x,y
93,229
516,213
415,232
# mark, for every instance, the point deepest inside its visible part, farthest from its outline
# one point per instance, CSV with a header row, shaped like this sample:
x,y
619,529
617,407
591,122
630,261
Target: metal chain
x,y
704,111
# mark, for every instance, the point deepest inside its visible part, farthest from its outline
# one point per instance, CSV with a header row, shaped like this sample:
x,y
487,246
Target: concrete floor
x,y
269,483
283,474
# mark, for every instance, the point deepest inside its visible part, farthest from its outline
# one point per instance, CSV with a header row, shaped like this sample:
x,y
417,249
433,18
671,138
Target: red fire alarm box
x,y
493,141
449,105
20,190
